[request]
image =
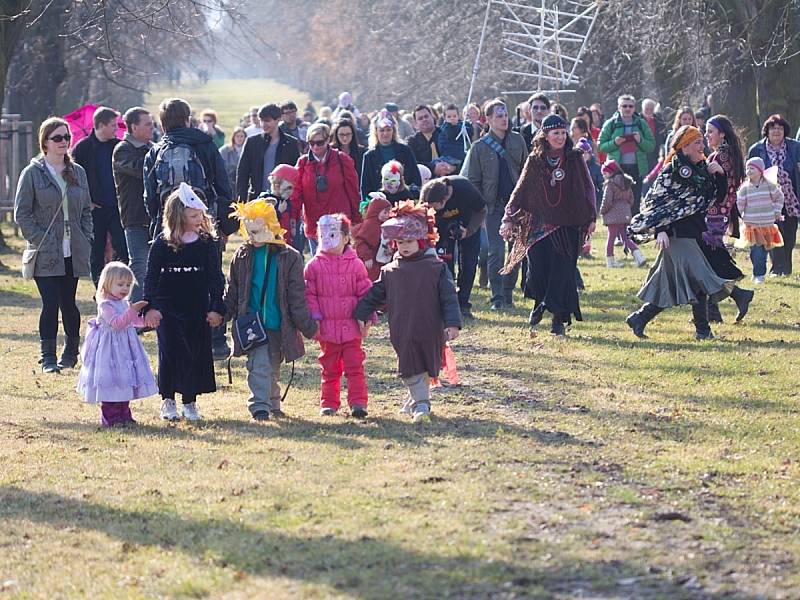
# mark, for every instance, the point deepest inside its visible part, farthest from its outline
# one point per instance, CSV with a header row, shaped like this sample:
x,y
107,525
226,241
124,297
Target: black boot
x,y
714,316
536,315
483,277
743,298
557,328
69,357
48,359
638,320
700,314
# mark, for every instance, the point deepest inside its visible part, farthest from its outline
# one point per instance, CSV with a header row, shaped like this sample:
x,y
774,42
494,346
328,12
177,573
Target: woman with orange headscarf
x,y
675,210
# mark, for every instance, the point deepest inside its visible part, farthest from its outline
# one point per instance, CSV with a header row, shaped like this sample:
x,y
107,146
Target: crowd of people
x,y
345,215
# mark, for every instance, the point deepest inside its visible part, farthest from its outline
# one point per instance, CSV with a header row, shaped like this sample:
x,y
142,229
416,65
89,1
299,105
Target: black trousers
x,y
58,294
633,171
469,250
106,220
782,257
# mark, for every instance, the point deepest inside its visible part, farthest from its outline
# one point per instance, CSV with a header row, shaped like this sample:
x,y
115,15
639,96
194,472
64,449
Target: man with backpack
x,y
188,155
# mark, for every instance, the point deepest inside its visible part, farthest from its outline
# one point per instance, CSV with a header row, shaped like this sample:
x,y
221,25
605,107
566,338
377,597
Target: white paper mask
x,y
329,232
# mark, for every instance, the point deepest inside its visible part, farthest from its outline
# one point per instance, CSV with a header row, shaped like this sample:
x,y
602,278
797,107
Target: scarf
x,y
722,215
777,156
680,190
492,142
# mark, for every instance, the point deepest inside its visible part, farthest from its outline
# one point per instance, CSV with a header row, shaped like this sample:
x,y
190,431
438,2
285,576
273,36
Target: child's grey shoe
x,y
169,412
327,412
422,413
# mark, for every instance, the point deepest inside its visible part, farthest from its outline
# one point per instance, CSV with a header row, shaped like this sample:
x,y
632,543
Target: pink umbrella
x,y
81,125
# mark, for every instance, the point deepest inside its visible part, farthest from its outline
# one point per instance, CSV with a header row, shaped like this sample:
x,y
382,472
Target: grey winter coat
x,y
481,166
38,198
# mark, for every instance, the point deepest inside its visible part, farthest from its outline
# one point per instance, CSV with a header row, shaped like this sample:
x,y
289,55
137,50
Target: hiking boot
x,y
190,412
169,412
69,356
48,356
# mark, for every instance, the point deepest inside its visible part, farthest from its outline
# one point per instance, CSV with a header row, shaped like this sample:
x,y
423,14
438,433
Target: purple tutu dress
x,y
115,367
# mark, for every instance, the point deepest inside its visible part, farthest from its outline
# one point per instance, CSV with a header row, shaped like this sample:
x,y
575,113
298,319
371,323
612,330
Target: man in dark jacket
x,y
262,153
174,114
460,213
424,143
93,153
128,164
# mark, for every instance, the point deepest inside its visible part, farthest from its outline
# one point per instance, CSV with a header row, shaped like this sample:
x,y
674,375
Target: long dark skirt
x,y
551,273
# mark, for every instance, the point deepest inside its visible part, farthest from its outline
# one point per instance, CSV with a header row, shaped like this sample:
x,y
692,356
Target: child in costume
x,y
335,281
393,183
115,368
183,289
282,181
266,259
370,246
616,212
421,300
760,202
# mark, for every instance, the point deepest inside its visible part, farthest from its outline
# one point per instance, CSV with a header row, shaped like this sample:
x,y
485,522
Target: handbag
x,y
29,254
249,328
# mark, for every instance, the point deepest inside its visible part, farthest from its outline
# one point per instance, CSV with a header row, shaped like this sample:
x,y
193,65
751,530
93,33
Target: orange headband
x,y
689,135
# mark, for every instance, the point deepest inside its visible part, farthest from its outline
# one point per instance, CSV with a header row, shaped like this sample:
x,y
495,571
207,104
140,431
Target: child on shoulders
x,y
447,136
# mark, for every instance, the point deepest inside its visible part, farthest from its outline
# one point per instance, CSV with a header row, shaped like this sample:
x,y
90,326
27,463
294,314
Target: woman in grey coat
x,y
63,254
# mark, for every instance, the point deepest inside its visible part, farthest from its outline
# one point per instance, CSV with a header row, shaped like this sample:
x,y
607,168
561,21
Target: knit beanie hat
x,y
610,166
756,162
553,122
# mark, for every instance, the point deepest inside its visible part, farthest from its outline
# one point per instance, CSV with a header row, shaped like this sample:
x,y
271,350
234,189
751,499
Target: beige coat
x,y
38,198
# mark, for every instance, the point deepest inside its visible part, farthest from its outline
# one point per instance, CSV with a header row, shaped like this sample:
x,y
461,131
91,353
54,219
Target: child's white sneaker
x,y
190,412
611,263
422,413
757,279
169,411
406,409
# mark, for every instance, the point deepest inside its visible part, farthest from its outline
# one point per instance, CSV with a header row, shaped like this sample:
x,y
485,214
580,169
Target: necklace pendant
x,y
552,182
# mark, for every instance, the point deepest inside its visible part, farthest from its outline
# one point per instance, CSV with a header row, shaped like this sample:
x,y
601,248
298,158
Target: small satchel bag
x,y
29,254
249,328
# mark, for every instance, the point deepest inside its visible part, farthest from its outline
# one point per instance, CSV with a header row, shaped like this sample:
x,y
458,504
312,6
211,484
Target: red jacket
x,y
342,195
334,285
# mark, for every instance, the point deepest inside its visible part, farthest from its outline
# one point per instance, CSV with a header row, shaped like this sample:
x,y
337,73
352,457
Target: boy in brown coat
x,y
421,302
265,260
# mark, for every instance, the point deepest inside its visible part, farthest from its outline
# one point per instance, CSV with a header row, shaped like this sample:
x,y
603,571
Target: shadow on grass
x,y
350,434
364,567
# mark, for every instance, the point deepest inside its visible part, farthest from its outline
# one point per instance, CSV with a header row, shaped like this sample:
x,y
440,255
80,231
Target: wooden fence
x,y
16,150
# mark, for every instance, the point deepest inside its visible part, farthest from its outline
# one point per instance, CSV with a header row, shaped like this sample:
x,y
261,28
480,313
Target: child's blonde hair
x,y
112,273
172,220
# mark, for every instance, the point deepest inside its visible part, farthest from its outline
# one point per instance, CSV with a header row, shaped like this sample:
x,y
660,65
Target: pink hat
x,y
287,172
610,166
756,162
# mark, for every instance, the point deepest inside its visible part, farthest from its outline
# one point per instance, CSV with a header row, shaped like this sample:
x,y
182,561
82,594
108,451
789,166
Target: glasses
x,y
539,107
208,121
318,143
60,138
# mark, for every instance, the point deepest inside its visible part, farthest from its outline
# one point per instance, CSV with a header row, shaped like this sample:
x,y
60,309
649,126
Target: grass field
x,y
597,466
231,98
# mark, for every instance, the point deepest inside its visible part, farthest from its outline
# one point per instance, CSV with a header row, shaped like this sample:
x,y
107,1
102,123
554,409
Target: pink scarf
x,y
777,156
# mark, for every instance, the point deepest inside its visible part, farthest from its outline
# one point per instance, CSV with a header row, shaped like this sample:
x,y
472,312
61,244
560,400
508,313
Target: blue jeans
x,y
138,238
502,286
484,254
758,256
299,237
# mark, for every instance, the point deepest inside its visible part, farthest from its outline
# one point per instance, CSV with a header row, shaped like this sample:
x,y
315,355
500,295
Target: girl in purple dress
x,y
115,368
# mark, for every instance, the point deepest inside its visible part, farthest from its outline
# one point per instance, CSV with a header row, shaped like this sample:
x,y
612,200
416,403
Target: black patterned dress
x,y
184,285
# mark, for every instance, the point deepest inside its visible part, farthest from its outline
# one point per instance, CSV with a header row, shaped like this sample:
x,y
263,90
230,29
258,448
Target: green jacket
x,y
613,128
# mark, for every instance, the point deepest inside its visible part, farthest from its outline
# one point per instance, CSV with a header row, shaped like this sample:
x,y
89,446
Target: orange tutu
x,y
768,236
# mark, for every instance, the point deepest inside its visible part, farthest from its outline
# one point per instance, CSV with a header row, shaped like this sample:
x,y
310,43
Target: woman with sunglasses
x,y
327,183
53,189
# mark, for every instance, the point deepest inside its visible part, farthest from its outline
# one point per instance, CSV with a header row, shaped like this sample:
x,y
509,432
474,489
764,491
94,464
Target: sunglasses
x,y
539,108
317,142
60,138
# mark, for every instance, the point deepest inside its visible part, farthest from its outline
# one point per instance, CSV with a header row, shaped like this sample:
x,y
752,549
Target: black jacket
x,y
83,153
213,166
128,163
250,172
371,169
421,147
